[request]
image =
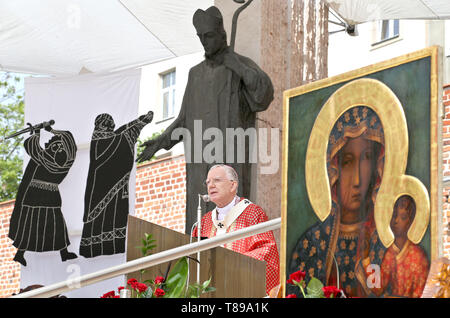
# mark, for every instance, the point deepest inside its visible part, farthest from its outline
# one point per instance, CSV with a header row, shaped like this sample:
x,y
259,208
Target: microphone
x,y
205,197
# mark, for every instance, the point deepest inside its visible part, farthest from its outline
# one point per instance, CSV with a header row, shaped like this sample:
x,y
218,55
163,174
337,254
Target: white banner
x,y
74,102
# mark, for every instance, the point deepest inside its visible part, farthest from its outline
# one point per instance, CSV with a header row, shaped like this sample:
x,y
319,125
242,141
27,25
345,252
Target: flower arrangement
x,y
314,289
141,290
174,285
442,281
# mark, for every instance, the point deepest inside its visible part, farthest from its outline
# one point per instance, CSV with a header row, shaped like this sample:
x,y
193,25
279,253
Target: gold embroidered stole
x,y
224,226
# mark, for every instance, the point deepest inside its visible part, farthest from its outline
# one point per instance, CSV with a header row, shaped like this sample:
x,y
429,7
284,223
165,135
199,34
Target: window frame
x,y
168,111
391,28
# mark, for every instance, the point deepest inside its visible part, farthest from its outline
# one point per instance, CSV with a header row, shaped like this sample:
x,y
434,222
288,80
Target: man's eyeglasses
x,y
214,181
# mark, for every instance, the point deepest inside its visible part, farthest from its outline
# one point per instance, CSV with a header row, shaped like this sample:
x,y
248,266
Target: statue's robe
x,y
217,98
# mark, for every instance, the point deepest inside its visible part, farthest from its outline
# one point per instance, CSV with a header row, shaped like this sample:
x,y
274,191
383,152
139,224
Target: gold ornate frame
x,y
316,159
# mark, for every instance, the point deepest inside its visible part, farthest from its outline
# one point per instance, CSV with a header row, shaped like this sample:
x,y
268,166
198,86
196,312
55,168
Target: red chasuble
x,y
261,246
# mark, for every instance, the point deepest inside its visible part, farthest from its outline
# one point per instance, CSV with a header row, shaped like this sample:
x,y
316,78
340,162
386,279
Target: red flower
x,y
120,288
140,287
159,292
331,291
159,280
132,282
291,296
110,294
296,277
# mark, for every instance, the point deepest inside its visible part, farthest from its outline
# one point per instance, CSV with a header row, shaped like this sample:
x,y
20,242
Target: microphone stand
x,y
199,234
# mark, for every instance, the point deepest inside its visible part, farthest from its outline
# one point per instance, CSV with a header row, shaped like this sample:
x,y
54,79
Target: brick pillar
x,y
294,48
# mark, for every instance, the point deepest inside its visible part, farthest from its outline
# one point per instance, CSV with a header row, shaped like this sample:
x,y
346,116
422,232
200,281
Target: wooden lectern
x,y
233,275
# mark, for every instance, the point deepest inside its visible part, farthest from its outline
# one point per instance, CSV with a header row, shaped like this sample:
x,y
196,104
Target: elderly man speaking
x,y
233,213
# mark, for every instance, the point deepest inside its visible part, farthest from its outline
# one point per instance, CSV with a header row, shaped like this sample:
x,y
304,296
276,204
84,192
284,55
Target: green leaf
x,y
147,281
193,291
147,244
314,288
177,279
206,283
209,289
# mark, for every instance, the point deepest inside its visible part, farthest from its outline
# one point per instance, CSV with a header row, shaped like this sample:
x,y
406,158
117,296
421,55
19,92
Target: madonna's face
x,y
356,166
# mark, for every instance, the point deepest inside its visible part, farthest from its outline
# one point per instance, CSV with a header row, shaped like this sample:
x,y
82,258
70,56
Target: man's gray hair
x,y
231,173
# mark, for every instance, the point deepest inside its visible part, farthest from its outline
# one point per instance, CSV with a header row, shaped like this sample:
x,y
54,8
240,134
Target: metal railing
x,y
148,261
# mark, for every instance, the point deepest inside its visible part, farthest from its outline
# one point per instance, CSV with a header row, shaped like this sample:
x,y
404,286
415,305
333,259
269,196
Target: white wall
x,y
346,53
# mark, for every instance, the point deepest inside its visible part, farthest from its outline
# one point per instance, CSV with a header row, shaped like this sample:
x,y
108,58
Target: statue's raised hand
x,y
151,147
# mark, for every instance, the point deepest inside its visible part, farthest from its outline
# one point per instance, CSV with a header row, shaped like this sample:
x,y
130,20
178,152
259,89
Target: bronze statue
x,y
223,91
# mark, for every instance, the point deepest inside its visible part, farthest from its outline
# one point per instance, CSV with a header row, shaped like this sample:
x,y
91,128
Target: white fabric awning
x,y
66,37
61,37
359,11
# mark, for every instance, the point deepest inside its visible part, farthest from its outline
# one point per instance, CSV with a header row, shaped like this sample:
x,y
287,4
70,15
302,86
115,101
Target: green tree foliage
x,y
11,120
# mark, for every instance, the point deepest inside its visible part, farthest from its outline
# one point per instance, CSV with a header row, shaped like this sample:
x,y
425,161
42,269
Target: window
x,y
168,94
388,29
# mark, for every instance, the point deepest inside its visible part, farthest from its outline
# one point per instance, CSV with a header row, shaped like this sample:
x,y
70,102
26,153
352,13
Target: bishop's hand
x,y
248,75
231,61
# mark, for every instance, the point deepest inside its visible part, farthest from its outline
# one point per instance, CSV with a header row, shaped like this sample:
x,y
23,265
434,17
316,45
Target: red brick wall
x,y
161,192
9,270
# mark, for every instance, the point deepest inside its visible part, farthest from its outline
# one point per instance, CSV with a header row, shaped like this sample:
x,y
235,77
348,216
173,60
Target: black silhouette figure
x,y
106,198
37,223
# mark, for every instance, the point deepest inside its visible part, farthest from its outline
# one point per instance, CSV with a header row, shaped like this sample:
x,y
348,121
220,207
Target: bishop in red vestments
x,y
233,213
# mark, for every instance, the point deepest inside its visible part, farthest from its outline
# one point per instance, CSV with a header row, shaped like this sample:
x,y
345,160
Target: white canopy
x,y
359,11
61,37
